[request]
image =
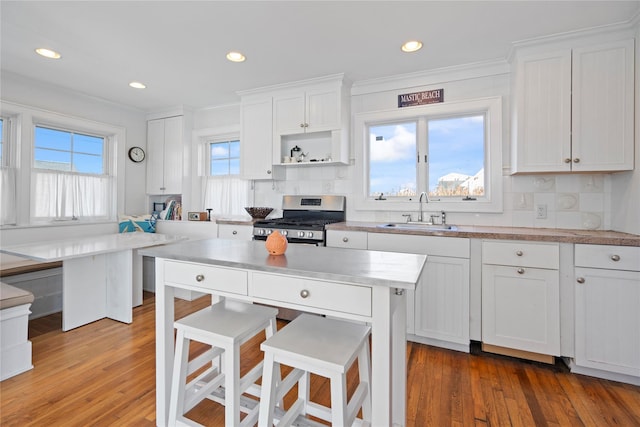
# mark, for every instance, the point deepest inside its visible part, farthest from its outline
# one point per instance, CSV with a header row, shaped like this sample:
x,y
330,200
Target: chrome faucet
x,y
426,196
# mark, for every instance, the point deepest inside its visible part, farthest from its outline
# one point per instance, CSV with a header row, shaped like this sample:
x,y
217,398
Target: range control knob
x,y
284,232
269,231
260,232
310,234
300,233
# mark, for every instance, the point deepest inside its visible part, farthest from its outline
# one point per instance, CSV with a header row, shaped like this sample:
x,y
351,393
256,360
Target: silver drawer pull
x,y
345,239
520,271
199,277
519,253
304,293
615,258
580,280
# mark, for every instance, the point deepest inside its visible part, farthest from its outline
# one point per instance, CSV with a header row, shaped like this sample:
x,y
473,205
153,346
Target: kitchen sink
x,y
426,226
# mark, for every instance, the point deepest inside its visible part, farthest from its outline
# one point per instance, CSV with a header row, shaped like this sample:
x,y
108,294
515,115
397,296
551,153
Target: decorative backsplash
x,y
572,201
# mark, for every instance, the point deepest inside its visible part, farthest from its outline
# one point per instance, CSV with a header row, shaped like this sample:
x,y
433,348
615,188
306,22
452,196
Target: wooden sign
x,y
421,98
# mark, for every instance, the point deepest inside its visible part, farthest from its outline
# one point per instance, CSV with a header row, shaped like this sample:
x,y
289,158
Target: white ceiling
x,y
178,48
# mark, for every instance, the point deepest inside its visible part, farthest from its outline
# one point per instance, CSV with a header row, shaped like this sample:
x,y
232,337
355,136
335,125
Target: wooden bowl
x,y
258,212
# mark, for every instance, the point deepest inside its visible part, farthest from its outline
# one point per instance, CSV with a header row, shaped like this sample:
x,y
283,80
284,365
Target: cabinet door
x,y
173,155
603,111
607,320
155,156
542,118
256,139
164,152
442,300
521,308
289,116
322,110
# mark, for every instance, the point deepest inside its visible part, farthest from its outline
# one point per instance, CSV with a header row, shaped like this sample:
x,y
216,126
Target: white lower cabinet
x,y
438,310
607,301
521,298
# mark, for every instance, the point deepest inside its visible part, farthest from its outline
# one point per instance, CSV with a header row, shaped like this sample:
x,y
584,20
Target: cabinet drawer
x,y
206,276
521,254
323,295
229,231
347,239
610,257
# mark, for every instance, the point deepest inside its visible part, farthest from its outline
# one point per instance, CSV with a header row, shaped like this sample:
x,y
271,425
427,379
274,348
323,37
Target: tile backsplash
x,y
572,201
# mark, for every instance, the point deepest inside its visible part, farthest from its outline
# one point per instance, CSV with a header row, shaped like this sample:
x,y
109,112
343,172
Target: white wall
x,y
31,93
575,201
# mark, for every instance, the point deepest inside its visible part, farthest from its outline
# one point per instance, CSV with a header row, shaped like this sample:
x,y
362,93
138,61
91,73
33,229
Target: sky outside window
x,y
225,158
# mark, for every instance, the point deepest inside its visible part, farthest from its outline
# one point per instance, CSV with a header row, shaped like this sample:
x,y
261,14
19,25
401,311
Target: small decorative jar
x,y
276,243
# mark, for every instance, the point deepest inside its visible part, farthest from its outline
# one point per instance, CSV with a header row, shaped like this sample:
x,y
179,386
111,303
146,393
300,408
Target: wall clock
x,y
136,154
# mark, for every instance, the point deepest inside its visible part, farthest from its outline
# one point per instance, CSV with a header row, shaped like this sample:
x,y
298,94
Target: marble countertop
x,y
596,237
60,250
334,264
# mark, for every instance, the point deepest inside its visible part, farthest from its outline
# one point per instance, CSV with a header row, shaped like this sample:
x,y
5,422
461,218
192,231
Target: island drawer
x,y
312,293
206,276
608,257
521,254
347,239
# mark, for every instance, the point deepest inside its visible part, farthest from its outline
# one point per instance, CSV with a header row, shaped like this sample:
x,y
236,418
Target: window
x,y
224,158
450,151
2,144
446,161
8,214
223,190
69,175
68,151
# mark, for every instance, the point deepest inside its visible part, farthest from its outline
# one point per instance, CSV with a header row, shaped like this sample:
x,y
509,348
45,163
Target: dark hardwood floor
x,y
103,374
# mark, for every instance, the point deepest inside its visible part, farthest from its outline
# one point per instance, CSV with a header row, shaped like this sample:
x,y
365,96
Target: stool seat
x,y
225,326
326,347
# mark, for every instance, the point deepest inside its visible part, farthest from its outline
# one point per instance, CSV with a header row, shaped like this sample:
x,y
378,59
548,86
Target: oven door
x,y
296,241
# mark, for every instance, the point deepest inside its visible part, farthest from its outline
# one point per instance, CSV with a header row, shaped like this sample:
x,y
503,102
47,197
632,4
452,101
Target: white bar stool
x,y
326,347
225,326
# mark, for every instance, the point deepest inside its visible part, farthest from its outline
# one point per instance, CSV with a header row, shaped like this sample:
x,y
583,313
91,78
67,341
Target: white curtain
x,y
62,195
7,196
226,195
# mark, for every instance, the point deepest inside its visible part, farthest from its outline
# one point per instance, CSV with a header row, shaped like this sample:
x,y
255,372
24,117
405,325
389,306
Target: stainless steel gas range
x,y
303,219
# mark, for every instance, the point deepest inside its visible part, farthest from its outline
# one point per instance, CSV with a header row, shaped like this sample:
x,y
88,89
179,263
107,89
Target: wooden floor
x,y
103,374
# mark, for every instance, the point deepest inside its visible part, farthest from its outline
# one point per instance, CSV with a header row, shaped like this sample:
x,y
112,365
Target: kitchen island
x,y
358,285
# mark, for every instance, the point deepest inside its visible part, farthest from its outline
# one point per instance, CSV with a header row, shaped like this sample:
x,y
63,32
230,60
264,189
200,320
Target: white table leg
x,y
119,293
381,357
84,287
164,344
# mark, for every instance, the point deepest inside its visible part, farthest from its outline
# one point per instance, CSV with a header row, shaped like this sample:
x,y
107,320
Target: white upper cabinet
x,y
308,111
164,154
573,108
256,138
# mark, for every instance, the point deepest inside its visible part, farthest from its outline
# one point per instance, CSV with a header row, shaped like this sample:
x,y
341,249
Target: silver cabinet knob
x,y
234,232
268,172
520,270
301,125
304,293
567,160
345,239
576,160
519,253
199,278
615,258
580,280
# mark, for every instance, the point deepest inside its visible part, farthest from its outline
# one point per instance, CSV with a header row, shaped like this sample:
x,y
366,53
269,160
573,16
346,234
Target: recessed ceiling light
x,y
137,85
48,53
411,46
235,57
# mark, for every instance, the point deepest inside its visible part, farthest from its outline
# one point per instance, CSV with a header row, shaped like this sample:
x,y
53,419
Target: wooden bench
x,y
15,347
42,279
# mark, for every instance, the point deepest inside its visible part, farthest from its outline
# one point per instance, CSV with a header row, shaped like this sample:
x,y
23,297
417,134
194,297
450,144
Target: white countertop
x,y
366,267
60,250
